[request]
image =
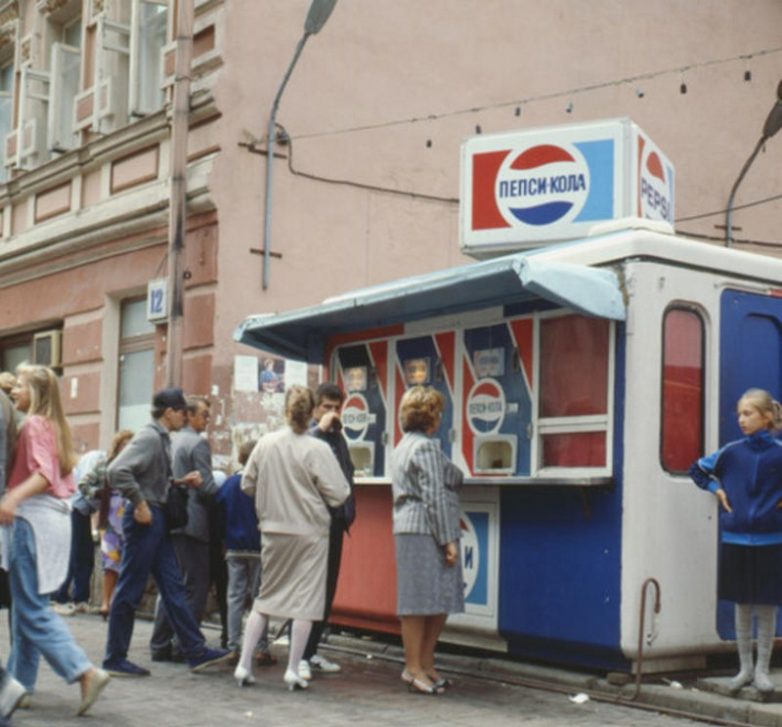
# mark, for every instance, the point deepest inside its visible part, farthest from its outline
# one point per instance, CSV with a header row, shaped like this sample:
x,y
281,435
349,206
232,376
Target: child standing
x,y
746,477
242,542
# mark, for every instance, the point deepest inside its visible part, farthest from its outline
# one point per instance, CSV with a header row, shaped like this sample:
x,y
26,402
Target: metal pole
x,y
739,179
177,220
271,136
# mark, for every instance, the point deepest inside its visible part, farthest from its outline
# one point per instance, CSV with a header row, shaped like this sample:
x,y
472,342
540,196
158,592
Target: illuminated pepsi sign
x,y
530,187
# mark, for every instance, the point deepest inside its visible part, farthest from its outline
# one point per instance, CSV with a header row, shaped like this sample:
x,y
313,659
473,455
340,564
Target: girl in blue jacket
x,y
746,477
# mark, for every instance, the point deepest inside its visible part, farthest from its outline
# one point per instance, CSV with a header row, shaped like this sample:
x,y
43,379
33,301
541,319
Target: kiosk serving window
x,y
574,393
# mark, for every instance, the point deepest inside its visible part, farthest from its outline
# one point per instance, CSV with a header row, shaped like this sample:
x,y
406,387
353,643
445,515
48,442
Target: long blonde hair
x,y
299,403
45,401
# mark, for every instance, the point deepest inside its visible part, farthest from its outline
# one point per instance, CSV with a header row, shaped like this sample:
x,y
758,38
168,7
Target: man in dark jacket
x,y
327,426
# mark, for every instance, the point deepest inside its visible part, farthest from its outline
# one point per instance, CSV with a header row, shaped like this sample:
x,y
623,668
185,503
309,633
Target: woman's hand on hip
x,y
451,552
723,498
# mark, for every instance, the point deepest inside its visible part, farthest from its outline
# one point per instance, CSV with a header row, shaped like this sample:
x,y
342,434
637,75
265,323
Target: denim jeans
x,y
148,549
76,586
36,629
244,579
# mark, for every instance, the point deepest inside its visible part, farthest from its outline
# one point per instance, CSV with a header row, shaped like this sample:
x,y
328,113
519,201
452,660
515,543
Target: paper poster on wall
x,y
245,373
271,380
295,373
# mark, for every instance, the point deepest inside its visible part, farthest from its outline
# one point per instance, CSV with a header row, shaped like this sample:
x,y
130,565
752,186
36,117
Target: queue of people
x,y
281,523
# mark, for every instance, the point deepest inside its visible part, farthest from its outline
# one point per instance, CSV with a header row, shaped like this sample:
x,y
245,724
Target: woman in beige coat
x,y
293,477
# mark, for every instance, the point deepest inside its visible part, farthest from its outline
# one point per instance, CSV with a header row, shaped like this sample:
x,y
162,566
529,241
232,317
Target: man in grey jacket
x,y
142,472
191,453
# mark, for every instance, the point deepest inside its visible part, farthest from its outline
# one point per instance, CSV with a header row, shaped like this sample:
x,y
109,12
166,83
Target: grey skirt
x,y
425,585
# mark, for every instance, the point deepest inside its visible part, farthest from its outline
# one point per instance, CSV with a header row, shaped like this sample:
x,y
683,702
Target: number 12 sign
x,y
157,299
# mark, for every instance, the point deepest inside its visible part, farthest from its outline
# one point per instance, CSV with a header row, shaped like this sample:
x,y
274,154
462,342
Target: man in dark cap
x,y
143,474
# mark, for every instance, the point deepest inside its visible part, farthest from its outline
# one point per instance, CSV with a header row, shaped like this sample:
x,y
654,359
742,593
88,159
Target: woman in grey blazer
x,y
426,533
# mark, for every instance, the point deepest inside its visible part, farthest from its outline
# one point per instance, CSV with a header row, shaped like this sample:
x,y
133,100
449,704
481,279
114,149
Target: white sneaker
x,y
63,609
11,694
321,663
304,670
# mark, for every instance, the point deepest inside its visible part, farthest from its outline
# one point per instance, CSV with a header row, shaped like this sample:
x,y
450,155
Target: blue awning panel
x,y
301,334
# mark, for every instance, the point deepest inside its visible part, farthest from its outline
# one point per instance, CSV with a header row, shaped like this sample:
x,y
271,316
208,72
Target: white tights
x,y
256,624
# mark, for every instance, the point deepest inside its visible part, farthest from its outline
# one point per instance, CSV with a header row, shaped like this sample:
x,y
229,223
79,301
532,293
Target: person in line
x,y
73,595
293,477
7,382
11,691
35,506
425,489
142,473
239,530
110,505
745,477
191,453
326,425
8,432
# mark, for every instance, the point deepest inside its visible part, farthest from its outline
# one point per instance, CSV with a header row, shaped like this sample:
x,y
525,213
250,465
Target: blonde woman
x,y
36,508
293,477
425,487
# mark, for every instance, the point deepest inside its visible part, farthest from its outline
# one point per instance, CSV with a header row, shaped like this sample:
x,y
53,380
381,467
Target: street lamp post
x,y
771,127
318,14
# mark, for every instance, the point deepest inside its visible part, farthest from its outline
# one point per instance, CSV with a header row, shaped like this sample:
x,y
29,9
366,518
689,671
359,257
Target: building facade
x,y
366,162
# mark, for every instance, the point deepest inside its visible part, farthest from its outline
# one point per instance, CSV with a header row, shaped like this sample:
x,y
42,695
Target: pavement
x,y
487,690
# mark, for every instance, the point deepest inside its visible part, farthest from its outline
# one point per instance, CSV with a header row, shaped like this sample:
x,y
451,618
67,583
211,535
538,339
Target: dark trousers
x,y
193,558
148,549
336,535
76,586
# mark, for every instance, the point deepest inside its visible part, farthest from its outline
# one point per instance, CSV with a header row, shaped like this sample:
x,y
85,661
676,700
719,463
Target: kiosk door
x,y
750,357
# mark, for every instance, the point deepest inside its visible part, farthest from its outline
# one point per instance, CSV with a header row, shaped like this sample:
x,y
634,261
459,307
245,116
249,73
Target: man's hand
x,y
142,514
191,479
330,422
723,498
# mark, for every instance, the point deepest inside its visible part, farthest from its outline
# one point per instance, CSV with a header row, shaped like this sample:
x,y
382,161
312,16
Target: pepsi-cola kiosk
x,y
587,358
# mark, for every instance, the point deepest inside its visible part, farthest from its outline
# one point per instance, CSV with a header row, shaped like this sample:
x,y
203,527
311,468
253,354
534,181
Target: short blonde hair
x,y
419,408
7,381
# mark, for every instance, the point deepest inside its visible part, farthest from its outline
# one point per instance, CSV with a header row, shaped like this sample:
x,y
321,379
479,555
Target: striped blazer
x,y
425,486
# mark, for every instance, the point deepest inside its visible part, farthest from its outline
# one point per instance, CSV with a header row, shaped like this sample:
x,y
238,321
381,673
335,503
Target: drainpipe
x,y
177,220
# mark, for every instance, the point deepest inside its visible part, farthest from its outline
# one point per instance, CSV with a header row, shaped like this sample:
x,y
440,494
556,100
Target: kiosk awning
x,y
301,334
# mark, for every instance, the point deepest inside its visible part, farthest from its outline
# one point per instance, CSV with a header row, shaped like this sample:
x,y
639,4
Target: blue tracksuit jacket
x,y
750,472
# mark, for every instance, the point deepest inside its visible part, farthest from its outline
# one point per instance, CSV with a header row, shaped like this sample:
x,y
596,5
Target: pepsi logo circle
x,y
542,185
485,407
356,416
655,188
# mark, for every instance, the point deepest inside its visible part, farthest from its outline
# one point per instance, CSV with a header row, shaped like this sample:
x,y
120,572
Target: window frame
x,y
131,344
542,426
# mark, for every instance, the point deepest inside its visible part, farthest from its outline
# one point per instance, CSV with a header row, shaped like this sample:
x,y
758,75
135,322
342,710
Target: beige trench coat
x,y
292,477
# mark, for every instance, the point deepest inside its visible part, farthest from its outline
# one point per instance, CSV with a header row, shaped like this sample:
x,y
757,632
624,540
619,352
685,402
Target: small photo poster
x,y
489,362
417,371
356,378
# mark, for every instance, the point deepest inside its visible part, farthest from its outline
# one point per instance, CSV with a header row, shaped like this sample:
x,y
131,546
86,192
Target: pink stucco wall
x,y
375,64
